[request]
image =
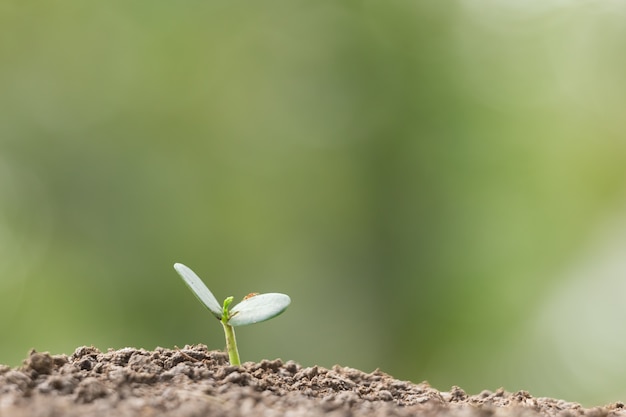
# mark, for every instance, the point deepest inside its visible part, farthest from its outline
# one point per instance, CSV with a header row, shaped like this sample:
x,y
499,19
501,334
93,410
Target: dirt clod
x,y
41,363
194,381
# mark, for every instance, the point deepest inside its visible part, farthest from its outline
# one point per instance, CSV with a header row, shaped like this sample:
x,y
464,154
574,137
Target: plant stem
x,y
231,344
229,331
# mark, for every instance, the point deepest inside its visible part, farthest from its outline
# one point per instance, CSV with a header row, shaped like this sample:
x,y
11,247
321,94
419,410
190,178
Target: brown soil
x,y
194,381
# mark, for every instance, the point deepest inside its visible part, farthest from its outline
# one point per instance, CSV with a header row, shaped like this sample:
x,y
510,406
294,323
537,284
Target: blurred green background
x,y
439,186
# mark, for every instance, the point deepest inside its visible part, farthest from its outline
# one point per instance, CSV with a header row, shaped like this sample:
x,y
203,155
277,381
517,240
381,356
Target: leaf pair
x,y
254,309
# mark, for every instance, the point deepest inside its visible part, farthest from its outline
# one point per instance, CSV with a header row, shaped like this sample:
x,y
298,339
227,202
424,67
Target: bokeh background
x,y
440,186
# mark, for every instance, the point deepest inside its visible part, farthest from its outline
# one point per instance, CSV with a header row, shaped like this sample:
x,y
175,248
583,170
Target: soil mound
x,y
194,381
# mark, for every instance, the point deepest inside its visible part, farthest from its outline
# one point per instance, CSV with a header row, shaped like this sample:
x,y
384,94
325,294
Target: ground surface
x,y
194,381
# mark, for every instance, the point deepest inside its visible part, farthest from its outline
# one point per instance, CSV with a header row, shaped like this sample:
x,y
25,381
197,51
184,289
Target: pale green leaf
x,y
258,308
200,290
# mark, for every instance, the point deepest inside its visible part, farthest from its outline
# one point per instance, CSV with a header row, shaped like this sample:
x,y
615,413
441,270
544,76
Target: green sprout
x,y
254,308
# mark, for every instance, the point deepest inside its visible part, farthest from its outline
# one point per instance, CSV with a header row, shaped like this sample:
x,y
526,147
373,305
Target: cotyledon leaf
x,y
258,308
201,291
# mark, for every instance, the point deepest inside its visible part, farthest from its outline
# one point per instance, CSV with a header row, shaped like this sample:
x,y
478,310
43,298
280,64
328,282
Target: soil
x,y
194,381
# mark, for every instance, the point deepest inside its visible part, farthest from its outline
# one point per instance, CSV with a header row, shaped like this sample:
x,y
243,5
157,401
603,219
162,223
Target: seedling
x,y
254,308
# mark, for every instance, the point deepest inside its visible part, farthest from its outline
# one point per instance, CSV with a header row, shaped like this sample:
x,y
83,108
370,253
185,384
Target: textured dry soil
x,y
194,381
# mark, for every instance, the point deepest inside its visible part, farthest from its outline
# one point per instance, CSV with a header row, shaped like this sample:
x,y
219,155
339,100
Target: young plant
x,y
254,308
